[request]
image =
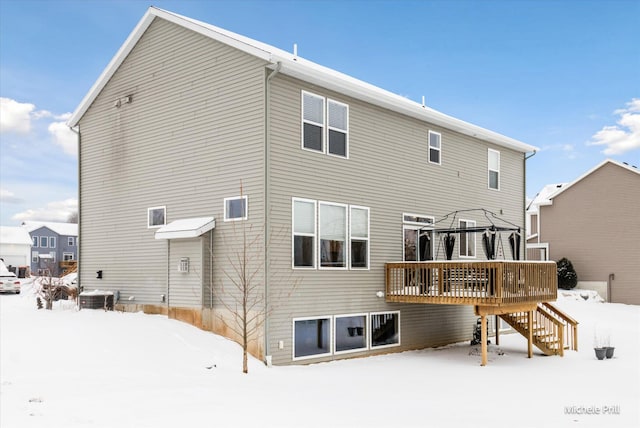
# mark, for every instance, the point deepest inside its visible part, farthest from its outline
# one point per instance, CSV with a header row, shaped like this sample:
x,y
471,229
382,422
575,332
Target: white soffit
x,y
186,228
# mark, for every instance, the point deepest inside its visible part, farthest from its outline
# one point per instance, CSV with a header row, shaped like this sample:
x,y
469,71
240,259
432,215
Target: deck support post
x,y
497,330
483,339
530,334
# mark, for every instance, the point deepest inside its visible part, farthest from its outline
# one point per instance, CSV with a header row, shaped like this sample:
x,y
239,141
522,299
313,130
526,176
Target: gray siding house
x,y
594,221
195,140
54,244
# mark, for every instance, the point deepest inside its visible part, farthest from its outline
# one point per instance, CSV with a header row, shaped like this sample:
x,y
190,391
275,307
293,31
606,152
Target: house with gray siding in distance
x,y
206,156
594,221
54,248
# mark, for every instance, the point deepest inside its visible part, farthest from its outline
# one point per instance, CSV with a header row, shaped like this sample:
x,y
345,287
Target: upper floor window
x,y
494,169
359,237
304,233
52,242
467,239
35,241
156,216
334,236
434,147
44,241
235,208
314,131
70,241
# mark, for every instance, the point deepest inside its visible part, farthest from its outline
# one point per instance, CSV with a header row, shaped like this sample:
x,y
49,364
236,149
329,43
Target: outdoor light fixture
x,y
380,294
99,274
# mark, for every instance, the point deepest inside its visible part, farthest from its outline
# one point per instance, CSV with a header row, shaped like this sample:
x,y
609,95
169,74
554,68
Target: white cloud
x,y
623,137
54,211
15,116
64,137
9,197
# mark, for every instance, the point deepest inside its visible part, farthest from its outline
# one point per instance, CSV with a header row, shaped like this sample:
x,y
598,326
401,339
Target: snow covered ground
x,y
91,368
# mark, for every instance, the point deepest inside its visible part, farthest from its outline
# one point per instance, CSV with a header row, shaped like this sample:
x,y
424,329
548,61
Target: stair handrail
x,y
553,312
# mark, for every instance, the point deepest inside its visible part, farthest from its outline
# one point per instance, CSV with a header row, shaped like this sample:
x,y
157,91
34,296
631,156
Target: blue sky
x,y
560,75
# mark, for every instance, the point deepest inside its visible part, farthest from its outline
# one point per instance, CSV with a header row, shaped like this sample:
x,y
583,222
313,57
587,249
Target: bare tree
x,y
73,217
242,284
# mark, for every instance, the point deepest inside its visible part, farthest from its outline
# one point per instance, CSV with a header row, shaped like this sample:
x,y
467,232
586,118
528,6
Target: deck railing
x,y
485,283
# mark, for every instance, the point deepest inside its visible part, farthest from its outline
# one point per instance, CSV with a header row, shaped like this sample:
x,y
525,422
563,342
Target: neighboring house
x,y
15,249
595,223
193,136
54,246
537,250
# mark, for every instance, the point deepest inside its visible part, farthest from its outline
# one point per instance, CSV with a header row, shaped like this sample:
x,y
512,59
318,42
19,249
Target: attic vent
x,y
183,266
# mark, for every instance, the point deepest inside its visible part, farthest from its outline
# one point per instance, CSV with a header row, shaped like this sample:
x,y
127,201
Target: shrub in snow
x,y
567,276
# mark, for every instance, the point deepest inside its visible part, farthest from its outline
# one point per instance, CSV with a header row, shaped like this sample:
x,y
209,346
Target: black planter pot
x,y
601,353
609,351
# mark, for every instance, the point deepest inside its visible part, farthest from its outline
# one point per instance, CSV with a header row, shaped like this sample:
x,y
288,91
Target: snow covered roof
x,y
543,197
592,170
300,68
14,235
64,229
186,228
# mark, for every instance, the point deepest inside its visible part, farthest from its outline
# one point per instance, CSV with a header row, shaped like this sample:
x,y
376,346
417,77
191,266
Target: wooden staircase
x,y
552,330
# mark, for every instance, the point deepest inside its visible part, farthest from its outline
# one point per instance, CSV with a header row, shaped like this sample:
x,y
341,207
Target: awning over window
x,y
45,256
186,228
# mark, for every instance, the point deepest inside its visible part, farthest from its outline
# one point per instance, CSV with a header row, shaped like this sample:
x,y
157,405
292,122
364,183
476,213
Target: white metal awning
x,y
186,228
45,256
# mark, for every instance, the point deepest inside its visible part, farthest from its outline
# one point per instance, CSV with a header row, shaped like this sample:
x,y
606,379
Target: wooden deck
x,y
516,291
480,283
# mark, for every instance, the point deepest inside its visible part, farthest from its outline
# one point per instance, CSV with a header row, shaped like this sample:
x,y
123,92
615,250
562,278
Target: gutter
x,y
524,220
267,166
76,130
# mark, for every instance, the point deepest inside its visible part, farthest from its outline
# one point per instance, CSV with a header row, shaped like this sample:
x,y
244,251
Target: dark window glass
x,y
493,179
303,251
351,333
337,143
385,329
311,337
312,137
434,155
358,253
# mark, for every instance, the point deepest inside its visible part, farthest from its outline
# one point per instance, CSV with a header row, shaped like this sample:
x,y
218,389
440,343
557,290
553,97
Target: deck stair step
x,y
549,328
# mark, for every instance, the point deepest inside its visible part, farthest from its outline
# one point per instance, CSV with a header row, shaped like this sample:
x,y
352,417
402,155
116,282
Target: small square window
x,y
70,241
385,329
156,216
235,208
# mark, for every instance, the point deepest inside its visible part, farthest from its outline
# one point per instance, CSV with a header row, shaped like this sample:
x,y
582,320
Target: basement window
x,y
385,329
311,337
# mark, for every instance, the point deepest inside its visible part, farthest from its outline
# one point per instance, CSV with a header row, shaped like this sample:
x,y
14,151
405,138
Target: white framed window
x,y
435,147
325,125
35,241
311,337
418,242
52,242
350,333
467,239
312,122
332,235
338,130
67,256
70,241
385,329
236,208
359,236
303,244
34,256
156,217
44,241
494,169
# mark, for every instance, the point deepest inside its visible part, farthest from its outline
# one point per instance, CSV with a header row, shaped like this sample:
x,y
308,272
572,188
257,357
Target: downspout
x,y
79,277
267,166
612,276
524,180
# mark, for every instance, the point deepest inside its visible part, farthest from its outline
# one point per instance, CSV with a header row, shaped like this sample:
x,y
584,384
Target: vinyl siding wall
x,y
193,131
388,171
595,224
